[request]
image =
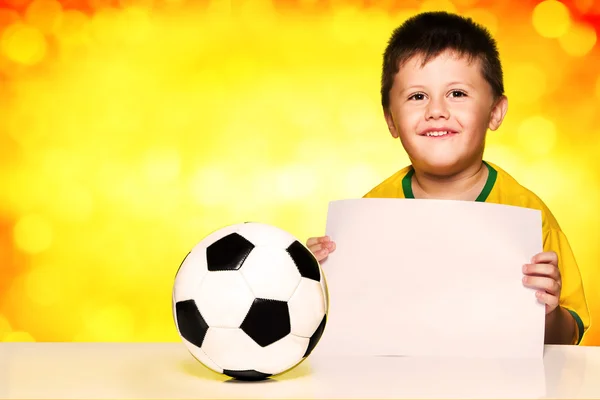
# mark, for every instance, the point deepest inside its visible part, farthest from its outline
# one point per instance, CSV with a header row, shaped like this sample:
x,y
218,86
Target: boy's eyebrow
x,y
422,87
411,87
460,83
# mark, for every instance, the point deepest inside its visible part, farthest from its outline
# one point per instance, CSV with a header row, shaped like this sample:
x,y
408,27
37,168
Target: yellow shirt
x,y
501,188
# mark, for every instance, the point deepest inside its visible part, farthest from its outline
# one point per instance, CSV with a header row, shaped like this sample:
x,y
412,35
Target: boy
x,y
441,90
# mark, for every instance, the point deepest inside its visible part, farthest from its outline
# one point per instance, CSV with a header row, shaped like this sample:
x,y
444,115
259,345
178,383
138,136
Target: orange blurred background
x,y
130,129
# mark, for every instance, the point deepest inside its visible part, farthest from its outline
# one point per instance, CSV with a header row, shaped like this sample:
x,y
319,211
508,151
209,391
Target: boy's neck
x,y
465,185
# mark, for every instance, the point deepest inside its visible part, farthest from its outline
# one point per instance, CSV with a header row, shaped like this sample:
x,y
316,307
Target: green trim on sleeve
x,y
579,322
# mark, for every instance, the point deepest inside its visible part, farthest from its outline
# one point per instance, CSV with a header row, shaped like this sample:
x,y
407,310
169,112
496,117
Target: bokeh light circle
x,y
579,40
23,44
32,233
551,18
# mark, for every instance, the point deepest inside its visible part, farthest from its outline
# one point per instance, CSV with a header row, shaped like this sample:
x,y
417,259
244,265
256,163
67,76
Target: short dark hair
x,y
430,33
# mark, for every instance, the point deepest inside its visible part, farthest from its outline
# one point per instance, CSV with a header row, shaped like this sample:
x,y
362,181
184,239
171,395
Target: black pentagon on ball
x,y
192,326
228,253
316,336
305,261
267,321
246,375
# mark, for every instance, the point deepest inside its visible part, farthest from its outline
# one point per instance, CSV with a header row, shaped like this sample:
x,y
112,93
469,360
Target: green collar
x,y
485,192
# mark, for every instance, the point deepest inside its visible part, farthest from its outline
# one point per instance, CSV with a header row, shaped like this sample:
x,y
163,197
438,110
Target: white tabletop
x,y
167,370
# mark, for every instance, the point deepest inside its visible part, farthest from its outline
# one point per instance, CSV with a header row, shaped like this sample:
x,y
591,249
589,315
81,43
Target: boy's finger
x,y
329,246
548,270
549,285
315,247
321,254
317,239
547,257
548,299
312,241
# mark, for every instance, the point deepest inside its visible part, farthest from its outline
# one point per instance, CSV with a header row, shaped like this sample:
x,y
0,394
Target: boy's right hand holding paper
x,y
320,246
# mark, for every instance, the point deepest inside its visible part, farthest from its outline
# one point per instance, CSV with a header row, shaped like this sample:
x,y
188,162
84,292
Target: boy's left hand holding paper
x,y
543,274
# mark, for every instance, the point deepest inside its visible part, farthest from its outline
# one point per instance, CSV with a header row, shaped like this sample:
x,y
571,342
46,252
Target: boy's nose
x,y
436,109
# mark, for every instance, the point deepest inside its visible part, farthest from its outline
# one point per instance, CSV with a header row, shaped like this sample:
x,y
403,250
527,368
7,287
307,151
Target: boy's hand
x,y
320,246
543,274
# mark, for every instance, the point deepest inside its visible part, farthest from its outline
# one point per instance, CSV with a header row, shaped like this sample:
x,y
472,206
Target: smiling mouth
x,y
439,133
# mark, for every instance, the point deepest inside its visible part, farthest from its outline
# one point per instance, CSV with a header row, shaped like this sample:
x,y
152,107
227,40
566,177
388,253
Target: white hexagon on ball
x,y
283,354
190,275
266,235
231,349
201,356
265,261
307,308
224,299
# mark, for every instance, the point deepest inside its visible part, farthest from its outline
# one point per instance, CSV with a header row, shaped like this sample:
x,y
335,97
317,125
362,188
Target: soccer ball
x,y
250,301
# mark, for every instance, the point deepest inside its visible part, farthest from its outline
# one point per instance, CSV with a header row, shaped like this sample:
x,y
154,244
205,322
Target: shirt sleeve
x,y
572,296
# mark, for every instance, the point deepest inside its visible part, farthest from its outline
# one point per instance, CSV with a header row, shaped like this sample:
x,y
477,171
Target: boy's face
x,y
441,112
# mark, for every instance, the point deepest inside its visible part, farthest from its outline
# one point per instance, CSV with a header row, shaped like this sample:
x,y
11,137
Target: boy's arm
x,y
567,323
561,327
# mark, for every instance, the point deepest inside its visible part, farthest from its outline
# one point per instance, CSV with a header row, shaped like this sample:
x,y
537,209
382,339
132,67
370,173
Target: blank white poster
x,y
431,278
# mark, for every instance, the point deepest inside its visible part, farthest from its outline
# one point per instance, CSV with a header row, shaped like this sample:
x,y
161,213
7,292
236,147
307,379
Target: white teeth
x,y
439,133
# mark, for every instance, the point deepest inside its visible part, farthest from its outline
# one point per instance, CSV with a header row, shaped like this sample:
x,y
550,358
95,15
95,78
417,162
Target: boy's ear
x,y
389,119
498,112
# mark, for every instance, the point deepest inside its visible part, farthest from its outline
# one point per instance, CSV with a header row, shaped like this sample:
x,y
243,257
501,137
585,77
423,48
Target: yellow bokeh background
x,y
131,129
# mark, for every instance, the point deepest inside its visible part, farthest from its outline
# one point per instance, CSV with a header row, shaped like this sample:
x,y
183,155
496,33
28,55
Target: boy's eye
x,y
417,96
458,93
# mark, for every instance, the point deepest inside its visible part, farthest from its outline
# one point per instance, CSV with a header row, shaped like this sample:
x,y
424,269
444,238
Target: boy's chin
x,y
441,168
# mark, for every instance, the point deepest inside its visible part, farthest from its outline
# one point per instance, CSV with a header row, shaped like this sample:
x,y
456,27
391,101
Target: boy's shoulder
x,y
507,190
391,187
